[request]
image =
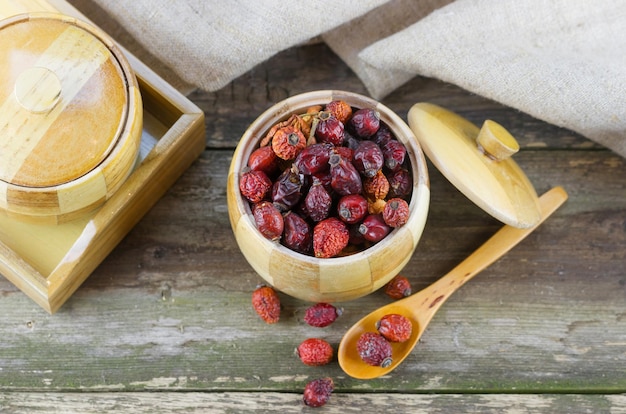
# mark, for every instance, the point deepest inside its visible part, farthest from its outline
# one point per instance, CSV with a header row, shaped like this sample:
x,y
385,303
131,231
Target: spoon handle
x,y
497,246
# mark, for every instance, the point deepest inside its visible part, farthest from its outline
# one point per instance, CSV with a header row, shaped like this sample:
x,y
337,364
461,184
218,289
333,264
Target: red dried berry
x,y
396,212
400,183
368,158
315,352
313,159
373,228
268,220
345,179
352,208
297,233
317,392
329,129
365,122
287,142
383,135
395,327
287,190
321,314
394,152
318,201
254,185
266,303
374,349
399,287
376,187
340,110
330,237
263,159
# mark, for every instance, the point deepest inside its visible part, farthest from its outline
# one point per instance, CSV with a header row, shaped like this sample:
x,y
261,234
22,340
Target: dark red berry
x,y
313,159
374,349
266,303
287,189
365,122
329,129
297,234
399,287
368,158
382,136
395,327
394,152
255,185
396,212
263,159
315,352
400,183
268,220
318,202
317,392
352,208
373,228
321,314
345,179
330,237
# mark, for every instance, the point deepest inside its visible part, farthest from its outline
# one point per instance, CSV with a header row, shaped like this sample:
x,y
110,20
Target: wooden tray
x,y
49,262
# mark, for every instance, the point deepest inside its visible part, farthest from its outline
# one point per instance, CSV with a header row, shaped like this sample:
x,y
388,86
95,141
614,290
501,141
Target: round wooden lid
x,y
68,104
477,161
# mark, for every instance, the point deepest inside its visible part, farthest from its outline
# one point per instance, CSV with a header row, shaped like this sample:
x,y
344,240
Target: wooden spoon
x,y
422,306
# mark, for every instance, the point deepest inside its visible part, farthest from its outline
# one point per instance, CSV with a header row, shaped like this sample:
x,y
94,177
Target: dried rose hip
x,y
268,220
313,159
374,349
368,158
373,228
315,352
318,202
394,153
399,287
321,314
317,392
287,142
352,208
329,129
396,212
365,122
395,327
254,185
400,183
266,303
287,190
340,109
330,237
263,159
297,233
376,187
382,136
345,179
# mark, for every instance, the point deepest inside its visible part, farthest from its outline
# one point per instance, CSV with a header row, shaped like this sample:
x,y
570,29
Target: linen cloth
x,y
561,61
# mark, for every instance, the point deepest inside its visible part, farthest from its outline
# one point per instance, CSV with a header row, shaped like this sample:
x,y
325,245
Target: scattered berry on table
x,y
315,352
266,303
399,287
317,392
321,314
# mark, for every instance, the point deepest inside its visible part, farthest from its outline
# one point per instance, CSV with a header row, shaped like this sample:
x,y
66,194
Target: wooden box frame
x,y
47,262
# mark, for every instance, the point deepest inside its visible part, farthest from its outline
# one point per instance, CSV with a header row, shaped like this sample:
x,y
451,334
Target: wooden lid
x,y
477,161
69,104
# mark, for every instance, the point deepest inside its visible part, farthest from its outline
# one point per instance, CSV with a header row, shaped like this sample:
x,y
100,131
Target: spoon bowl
x,y
420,307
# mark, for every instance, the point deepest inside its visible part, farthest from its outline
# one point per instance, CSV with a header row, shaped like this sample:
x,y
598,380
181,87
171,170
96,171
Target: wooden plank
x,y
170,307
254,402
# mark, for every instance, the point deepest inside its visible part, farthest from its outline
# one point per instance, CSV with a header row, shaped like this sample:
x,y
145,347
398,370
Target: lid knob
x,y
38,89
495,141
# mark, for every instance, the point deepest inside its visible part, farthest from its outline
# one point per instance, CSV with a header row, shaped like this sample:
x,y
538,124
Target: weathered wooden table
x,y
165,323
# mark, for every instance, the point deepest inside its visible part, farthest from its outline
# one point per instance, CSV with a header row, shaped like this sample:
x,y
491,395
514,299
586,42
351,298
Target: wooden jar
x,y
70,118
327,279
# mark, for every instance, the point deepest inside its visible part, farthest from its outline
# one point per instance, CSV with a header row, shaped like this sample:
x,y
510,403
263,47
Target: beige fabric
x,y
562,61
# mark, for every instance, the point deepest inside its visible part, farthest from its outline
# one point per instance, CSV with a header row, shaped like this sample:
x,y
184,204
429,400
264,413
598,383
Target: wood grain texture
x,y
165,322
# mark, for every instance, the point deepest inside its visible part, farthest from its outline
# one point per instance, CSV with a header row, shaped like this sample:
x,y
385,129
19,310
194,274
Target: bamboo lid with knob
x,y
70,117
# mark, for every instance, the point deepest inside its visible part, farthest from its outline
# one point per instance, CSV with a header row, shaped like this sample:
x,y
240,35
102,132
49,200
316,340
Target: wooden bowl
x,y
327,279
71,118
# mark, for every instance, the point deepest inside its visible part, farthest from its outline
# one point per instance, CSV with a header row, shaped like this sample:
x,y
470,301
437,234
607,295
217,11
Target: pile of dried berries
x,y
328,182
